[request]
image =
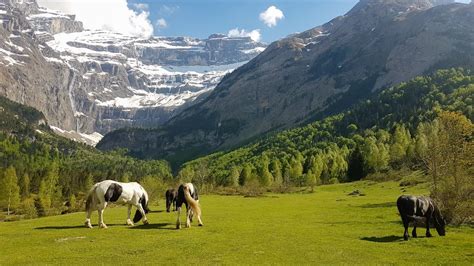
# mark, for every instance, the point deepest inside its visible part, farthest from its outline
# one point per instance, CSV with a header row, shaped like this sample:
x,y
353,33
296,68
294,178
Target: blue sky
x,y
200,18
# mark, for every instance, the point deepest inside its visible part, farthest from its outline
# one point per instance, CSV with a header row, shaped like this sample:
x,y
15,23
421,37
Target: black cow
x,y
420,210
171,195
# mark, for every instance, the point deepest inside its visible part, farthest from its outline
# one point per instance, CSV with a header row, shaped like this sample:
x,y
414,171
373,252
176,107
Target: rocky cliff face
x,y
97,81
377,44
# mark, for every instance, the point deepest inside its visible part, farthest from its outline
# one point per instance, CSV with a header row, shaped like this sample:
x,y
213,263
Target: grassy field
x,y
328,226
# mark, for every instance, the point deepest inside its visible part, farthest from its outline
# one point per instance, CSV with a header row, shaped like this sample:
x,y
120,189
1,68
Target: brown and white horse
x,y
188,195
130,194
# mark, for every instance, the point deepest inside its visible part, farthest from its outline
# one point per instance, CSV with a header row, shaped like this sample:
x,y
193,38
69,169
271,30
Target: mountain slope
x,y
318,72
386,128
88,81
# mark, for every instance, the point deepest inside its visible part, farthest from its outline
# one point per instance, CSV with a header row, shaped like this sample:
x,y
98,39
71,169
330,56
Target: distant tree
x,y
88,183
25,186
245,175
275,170
450,162
9,190
355,169
234,177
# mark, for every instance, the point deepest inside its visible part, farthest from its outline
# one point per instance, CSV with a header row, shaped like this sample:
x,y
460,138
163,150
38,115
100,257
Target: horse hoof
x,y
130,223
200,224
428,235
405,238
146,222
178,226
88,225
103,226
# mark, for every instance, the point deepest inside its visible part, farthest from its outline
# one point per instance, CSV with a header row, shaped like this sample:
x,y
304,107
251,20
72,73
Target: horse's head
x,y
440,222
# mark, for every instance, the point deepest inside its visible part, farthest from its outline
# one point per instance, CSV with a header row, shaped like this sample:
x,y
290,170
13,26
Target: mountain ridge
x,y
309,75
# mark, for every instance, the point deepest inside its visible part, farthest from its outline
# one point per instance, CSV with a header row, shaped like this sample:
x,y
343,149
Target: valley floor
x,y
327,226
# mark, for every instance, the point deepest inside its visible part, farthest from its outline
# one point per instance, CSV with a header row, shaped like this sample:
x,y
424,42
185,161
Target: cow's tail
x,y
192,202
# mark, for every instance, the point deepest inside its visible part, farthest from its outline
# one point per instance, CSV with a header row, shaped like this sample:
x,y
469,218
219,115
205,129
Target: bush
x,y
27,208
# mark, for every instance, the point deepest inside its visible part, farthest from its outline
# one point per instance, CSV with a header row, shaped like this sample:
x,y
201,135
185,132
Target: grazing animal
x,y
171,195
188,195
131,194
420,210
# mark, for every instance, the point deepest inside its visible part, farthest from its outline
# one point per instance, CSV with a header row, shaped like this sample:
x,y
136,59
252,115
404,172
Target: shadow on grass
x,y
162,226
65,227
378,205
383,239
156,211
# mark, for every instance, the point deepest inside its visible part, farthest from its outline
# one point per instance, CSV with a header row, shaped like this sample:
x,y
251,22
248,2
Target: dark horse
x,y
171,195
420,210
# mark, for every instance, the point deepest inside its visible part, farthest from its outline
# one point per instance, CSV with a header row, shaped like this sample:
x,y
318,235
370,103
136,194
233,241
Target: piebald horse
x,y
420,211
188,195
131,194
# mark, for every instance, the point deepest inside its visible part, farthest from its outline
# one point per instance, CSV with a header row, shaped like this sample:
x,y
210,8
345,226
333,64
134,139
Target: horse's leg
x,y
142,211
405,224
199,220
188,213
101,215
178,221
428,218
88,218
129,211
413,233
191,215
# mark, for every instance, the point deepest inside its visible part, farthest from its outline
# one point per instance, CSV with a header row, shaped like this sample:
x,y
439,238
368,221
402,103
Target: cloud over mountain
x,y
271,16
97,15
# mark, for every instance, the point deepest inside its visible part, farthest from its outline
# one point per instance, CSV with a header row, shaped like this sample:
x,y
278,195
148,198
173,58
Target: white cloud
x,y
113,15
141,6
161,23
254,35
271,16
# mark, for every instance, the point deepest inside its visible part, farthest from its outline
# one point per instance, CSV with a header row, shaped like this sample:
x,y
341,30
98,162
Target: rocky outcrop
x,y
97,81
309,75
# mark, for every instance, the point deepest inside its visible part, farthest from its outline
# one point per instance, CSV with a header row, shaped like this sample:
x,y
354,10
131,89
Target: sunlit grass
x,y
327,226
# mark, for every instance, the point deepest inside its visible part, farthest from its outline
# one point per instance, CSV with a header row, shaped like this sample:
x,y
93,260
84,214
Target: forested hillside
x,y
391,130
42,173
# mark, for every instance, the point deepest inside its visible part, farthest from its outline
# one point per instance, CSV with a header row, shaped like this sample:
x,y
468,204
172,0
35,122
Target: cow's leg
x,y
413,233
178,221
101,209
188,214
142,211
405,224
428,219
174,205
129,212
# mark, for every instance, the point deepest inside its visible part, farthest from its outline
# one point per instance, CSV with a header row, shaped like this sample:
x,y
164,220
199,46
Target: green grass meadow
x,y
324,227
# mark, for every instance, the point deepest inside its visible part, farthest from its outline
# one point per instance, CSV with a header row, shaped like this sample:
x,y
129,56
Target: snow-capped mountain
x,y
93,81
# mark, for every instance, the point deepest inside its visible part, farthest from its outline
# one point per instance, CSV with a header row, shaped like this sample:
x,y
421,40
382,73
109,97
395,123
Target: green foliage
x,y
376,135
9,190
52,170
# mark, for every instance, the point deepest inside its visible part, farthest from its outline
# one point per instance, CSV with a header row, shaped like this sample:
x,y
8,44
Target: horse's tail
x,y
192,202
90,199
